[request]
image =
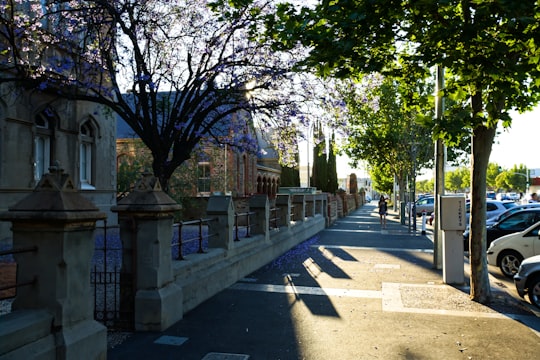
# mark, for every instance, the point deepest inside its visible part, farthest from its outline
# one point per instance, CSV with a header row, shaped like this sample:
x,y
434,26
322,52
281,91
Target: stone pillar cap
x,y
147,196
55,197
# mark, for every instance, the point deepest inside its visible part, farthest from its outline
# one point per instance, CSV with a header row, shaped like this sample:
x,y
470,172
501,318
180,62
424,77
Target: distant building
x,y
213,168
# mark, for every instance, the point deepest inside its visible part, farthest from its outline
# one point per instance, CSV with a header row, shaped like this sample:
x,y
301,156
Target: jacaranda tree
x,y
175,71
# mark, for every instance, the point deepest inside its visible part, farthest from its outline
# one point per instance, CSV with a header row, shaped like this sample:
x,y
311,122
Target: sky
x,y
519,144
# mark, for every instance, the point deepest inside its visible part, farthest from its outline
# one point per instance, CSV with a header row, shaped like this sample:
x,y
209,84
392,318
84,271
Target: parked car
x,y
507,252
493,208
516,222
527,280
509,211
426,203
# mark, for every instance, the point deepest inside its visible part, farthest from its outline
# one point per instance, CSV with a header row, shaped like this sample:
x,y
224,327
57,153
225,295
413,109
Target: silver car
x,y
527,280
425,204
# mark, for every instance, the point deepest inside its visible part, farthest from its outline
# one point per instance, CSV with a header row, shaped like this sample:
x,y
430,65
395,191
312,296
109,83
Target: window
x,y
42,156
44,122
86,156
203,175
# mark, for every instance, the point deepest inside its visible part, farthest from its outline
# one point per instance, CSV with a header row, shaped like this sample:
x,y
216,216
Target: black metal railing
x,y
242,227
107,281
274,218
8,288
194,237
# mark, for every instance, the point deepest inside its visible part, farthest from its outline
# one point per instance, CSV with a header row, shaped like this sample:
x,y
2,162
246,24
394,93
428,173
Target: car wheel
x,y
534,290
509,263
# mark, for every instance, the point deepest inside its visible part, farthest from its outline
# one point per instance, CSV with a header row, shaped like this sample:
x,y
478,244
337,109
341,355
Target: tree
x,y
492,172
332,167
488,47
175,72
381,179
458,180
515,179
290,175
319,174
385,127
425,186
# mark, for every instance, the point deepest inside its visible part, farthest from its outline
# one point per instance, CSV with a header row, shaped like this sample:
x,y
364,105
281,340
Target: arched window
x,y
86,156
44,122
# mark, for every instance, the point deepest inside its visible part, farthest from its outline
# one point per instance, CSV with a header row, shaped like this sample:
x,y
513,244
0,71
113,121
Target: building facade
x,y
212,168
37,131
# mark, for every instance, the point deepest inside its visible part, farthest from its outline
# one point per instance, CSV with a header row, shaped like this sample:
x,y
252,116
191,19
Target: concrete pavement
x,y
355,291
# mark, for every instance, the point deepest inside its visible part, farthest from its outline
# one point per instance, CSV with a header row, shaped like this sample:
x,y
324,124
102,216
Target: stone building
x,y
37,130
212,168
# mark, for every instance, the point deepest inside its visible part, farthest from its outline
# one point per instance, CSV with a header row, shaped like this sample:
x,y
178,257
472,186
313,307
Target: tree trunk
x,y
481,149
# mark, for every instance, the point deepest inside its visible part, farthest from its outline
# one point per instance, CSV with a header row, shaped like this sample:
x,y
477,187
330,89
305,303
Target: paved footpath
x,y
355,291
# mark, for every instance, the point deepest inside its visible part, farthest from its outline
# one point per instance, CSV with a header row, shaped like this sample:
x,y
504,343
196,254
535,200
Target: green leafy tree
x,y
458,180
384,126
489,48
290,175
515,179
425,186
382,179
492,172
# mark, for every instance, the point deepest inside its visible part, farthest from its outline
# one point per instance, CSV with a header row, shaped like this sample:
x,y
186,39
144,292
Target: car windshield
x,y
513,209
519,221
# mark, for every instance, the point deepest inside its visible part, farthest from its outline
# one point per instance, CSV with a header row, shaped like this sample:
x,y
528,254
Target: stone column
x,y
299,210
283,203
146,219
260,205
309,205
221,210
60,223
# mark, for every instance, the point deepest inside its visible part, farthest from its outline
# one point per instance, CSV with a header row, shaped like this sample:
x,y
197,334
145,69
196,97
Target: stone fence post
x,y
309,203
222,228
283,203
260,205
146,220
299,210
60,223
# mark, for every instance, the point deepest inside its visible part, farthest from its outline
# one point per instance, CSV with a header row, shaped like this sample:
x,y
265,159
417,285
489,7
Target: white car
x,y
507,252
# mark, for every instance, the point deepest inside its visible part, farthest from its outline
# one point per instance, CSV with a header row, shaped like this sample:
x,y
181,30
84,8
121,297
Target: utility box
x,y
452,221
452,212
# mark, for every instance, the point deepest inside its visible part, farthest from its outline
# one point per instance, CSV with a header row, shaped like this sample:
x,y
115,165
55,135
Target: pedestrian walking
x,y
383,210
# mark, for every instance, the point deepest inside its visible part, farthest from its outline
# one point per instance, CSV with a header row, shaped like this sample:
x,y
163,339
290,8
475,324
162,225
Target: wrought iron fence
x,y
8,281
191,237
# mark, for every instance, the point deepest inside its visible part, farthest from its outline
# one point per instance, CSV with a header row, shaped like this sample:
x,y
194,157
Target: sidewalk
x,y
354,292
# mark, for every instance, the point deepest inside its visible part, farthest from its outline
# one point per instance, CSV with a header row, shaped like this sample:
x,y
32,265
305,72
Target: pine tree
x,y
290,176
332,170
320,162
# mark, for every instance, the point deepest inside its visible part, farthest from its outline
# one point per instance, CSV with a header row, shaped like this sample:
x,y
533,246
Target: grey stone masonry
x,y
283,203
261,207
221,210
146,219
60,224
299,210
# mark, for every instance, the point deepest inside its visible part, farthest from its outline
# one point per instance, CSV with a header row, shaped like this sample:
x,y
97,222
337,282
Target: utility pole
x,y
439,170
